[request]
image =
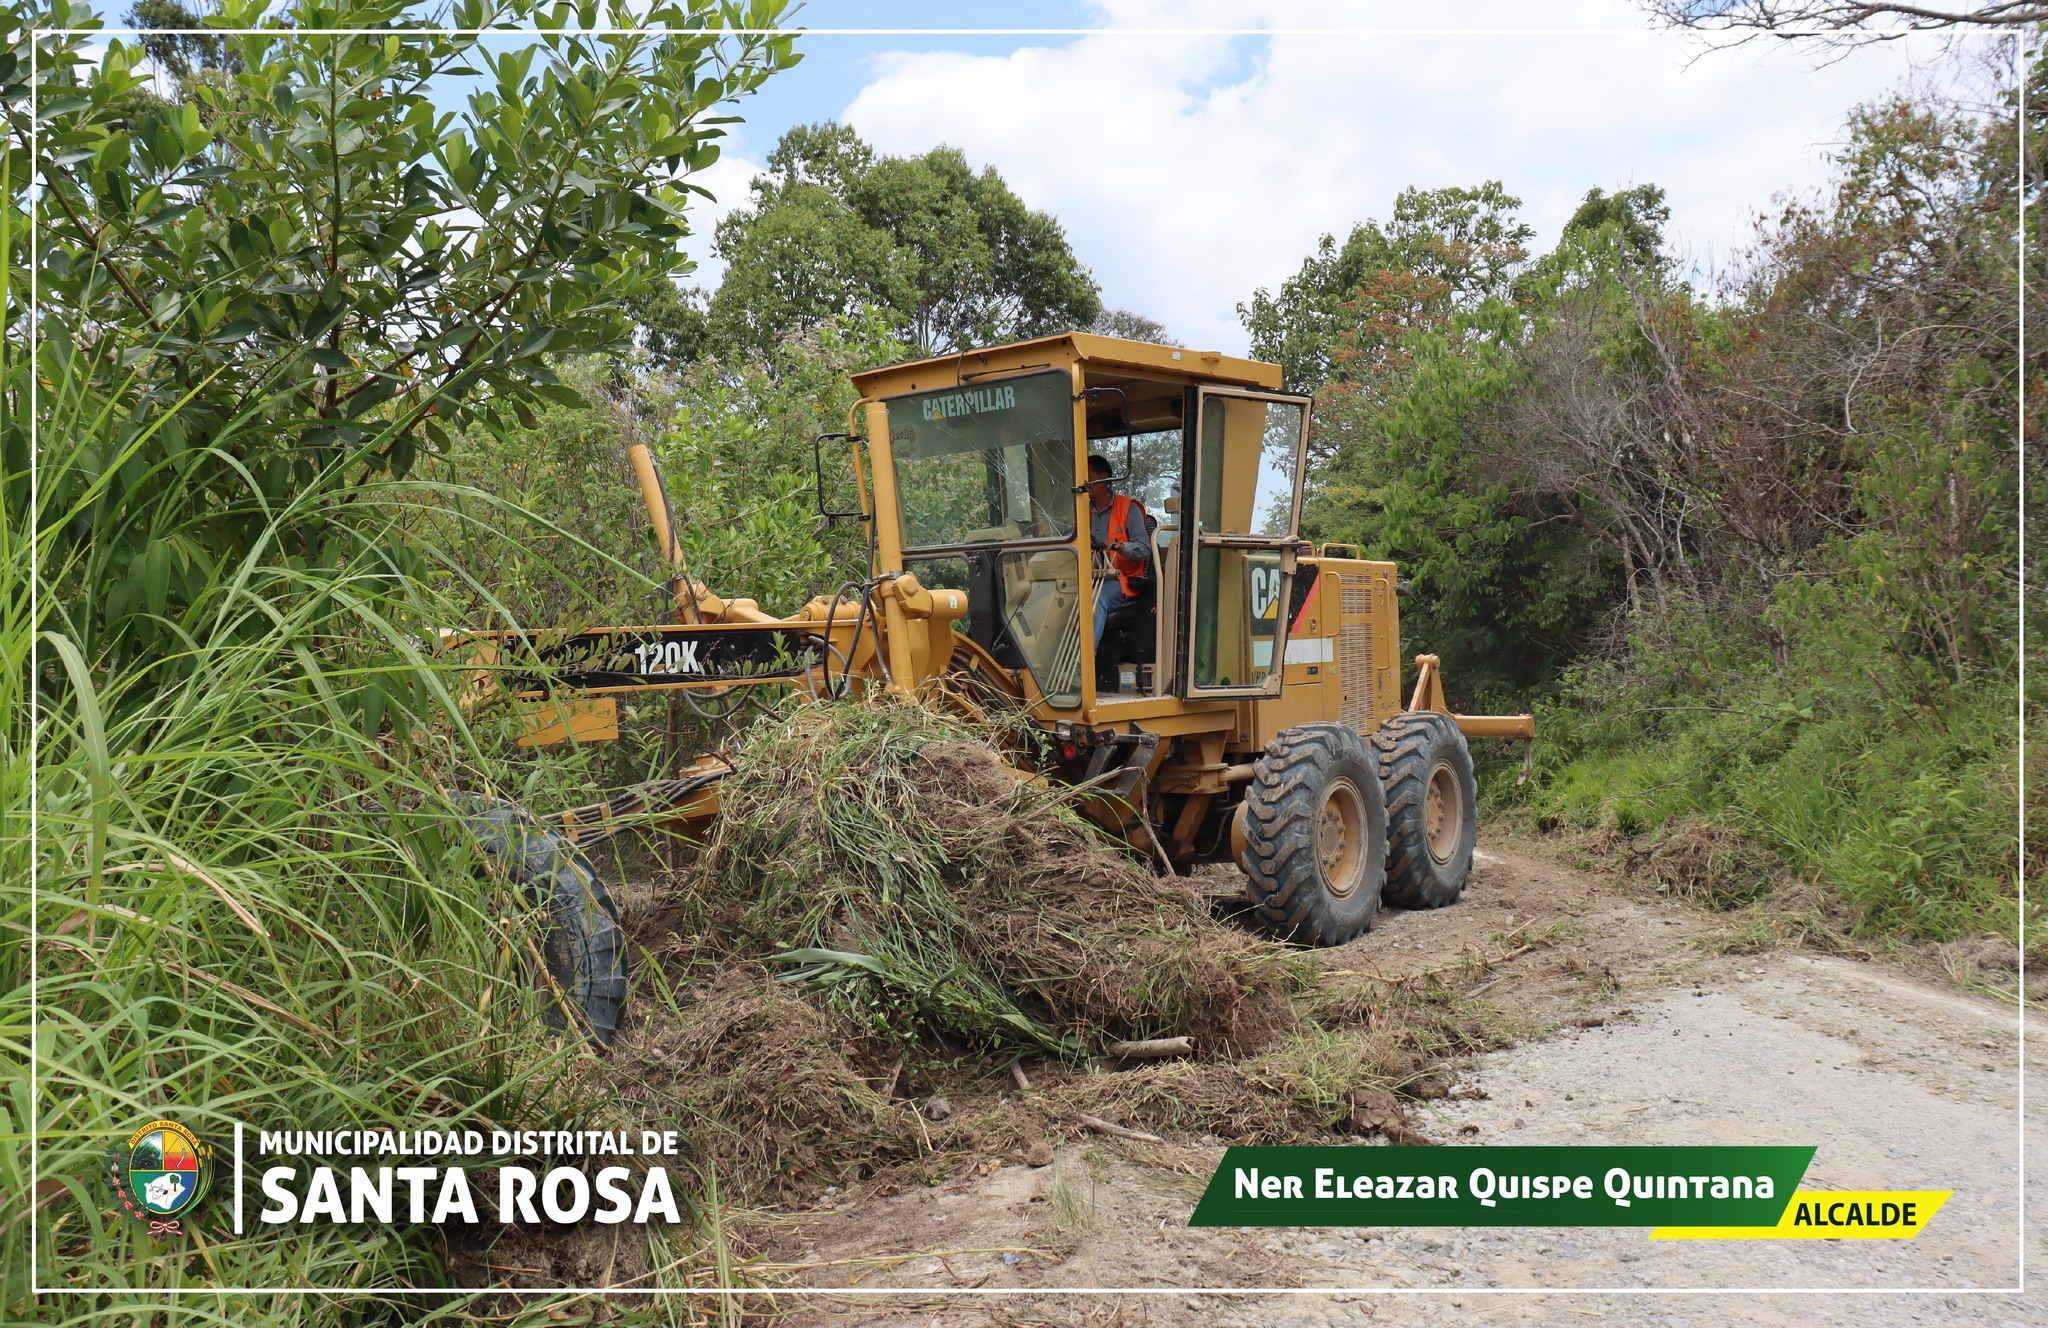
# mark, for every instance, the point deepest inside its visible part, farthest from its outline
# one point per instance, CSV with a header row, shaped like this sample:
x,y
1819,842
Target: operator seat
x,y
1128,637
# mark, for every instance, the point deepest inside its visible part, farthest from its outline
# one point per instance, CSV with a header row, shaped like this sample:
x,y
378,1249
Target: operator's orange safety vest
x,y
1119,531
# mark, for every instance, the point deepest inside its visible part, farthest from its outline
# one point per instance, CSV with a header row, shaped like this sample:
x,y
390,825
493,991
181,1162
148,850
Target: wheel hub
x,y
1443,814
1340,838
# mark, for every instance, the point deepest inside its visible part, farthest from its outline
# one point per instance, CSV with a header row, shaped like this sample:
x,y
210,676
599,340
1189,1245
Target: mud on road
x,y
1633,1020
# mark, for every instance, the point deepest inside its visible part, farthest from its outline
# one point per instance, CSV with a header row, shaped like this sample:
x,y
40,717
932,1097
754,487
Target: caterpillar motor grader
x,y
1244,706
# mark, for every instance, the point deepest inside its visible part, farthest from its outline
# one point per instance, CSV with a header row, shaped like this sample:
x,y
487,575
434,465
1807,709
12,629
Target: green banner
x,y
1486,1186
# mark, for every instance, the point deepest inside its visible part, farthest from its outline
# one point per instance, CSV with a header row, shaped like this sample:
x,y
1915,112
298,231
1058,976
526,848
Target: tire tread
x,y
1280,862
583,945
1406,747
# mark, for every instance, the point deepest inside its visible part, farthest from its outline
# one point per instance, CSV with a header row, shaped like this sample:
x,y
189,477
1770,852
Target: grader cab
x,y
1242,702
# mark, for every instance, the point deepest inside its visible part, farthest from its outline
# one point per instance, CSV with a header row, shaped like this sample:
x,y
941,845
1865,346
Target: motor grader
x,y
1245,706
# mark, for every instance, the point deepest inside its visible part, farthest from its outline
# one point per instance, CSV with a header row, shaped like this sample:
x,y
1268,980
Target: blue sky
x,y
1189,169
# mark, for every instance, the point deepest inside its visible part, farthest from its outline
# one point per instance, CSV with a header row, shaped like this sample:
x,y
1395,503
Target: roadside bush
x,y
250,900
1877,775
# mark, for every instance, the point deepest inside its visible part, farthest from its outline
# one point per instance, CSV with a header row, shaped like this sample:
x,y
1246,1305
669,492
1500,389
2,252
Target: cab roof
x,y
1092,351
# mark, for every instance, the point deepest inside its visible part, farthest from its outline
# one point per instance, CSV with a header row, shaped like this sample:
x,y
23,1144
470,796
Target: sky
x,y
1191,164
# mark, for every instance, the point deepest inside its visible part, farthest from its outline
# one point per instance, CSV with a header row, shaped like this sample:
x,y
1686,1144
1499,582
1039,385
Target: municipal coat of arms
x,y
158,1173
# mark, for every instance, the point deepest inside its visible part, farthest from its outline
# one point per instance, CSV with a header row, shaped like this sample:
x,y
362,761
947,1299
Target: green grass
x,y
251,901
1873,777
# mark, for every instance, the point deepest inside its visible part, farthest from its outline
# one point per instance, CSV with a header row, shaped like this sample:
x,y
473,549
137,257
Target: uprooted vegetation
x,y
890,862
887,917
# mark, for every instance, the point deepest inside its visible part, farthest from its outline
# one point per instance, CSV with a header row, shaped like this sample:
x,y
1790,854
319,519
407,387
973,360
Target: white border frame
x,y
35,1095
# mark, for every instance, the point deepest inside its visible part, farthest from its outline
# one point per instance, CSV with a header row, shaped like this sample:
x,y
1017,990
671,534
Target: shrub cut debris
x,y
886,859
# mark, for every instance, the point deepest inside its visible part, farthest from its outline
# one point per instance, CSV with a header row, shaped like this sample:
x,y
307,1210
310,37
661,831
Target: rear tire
x,y
1315,834
1432,808
583,946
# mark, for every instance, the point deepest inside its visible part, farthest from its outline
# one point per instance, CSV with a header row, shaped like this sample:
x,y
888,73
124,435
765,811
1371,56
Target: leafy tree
x,y
177,50
1507,583
1132,327
1444,250
671,325
1418,450
325,270
950,257
1638,216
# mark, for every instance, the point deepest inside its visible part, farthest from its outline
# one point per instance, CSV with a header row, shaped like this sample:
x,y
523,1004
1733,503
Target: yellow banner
x,y
1833,1215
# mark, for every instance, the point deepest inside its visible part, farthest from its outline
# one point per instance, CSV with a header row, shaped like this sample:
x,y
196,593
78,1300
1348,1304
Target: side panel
x,y
1344,653
1384,631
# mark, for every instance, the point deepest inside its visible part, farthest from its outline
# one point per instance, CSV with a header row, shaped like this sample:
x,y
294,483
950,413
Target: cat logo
x,y
159,1172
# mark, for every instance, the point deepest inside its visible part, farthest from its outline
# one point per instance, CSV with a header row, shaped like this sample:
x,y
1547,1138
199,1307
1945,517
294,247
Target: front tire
x,y
1315,834
1432,808
582,944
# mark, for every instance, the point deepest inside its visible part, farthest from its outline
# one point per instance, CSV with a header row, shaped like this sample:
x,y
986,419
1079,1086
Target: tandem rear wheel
x,y
1425,769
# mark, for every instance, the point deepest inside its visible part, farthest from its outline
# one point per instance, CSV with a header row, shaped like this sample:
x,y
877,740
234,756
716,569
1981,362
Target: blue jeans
x,y
1109,597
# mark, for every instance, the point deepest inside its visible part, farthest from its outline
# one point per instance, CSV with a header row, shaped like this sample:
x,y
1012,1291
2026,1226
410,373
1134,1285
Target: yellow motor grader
x,y
1242,702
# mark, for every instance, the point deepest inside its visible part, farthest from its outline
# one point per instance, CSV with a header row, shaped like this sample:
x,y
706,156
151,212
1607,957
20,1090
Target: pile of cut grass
x,y
762,1082
1707,864
887,859
1361,1051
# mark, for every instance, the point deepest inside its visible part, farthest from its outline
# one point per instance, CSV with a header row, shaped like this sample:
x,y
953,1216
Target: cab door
x,y
1240,517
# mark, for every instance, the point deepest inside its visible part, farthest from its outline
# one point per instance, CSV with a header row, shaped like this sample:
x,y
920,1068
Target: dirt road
x,y
1638,1022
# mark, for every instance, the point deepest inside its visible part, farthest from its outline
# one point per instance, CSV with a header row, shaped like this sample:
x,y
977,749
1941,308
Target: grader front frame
x,y
1245,706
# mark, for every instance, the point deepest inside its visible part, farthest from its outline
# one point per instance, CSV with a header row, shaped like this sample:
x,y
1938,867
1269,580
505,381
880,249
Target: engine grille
x,y
1354,672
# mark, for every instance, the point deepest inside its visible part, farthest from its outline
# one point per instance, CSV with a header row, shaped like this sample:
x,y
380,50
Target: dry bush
x,y
1985,962
1700,862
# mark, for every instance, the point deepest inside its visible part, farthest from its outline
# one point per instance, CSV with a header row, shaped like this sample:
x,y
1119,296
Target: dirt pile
x,y
889,860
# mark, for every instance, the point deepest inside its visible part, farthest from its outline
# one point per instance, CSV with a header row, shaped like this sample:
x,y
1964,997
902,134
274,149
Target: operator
x,y
1119,525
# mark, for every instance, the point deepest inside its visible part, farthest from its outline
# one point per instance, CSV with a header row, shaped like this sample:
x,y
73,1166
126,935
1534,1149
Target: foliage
x,y
951,258
269,269
1349,309
1428,349
742,473
1505,589
322,270
1779,518
1132,327
733,444
172,39
1633,219
1901,799
251,900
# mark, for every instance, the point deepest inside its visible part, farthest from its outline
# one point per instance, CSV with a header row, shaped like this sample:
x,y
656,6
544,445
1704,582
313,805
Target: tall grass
x,y
1862,767
251,902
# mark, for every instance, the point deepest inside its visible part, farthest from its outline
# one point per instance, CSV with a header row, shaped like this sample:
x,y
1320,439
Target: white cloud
x,y
727,179
1190,169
